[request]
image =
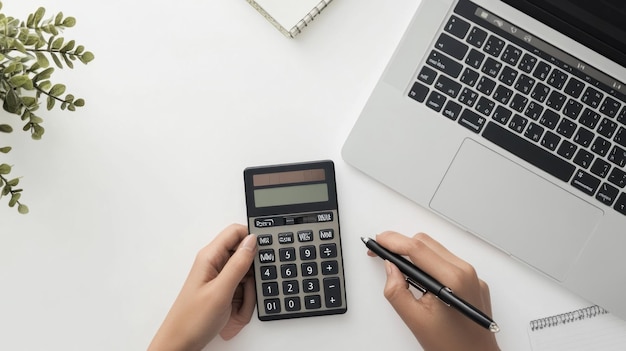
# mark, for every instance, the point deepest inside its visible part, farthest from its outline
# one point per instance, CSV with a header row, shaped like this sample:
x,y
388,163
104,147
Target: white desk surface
x,y
182,96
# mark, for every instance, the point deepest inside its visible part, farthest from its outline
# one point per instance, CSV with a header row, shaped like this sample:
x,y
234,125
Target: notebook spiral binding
x,y
292,32
569,317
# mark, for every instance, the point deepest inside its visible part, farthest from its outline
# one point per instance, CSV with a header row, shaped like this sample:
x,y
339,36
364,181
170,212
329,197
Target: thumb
x,y
238,264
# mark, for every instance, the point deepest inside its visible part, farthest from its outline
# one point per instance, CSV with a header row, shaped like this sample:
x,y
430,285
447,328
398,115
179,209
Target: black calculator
x,y
293,210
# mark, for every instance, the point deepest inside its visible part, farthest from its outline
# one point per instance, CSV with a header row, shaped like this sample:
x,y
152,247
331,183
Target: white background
x,y
182,96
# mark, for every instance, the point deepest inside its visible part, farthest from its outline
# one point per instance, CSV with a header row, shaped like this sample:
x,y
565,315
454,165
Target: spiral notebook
x,y
590,328
289,16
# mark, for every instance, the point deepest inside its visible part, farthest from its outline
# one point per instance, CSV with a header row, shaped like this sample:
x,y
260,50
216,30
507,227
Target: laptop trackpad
x,y
515,209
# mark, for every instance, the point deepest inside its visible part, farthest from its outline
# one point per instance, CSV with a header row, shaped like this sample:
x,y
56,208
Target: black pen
x,y
425,283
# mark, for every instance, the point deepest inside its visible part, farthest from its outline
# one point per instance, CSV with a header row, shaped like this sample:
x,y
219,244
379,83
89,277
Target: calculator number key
x,y
290,287
308,252
272,306
309,269
288,271
310,285
287,254
268,273
292,304
270,289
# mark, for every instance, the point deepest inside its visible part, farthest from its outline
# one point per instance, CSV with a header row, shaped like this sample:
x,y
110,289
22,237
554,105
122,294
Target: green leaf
x,y
18,80
56,60
50,103
57,43
12,102
69,22
38,15
57,90
13,182
5,128
5,169
87,57
42,60
5,150
15,197
79,102
22,209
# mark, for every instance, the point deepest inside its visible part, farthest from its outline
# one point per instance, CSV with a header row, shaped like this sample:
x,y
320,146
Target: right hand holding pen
x,y
436,326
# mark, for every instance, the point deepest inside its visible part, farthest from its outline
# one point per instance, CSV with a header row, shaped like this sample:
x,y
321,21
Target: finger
x,y
241,314
401,298
238,265
212,258
441,250
420,254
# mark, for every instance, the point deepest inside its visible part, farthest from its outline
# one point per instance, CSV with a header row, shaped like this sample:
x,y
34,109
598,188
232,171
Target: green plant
x,y
26,48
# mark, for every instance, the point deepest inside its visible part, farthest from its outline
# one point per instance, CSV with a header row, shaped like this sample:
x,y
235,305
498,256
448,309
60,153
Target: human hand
x,y
217,297
436,326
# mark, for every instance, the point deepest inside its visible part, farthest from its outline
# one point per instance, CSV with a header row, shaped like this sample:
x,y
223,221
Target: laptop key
x,y
607,194
472,121
574,87
527,63
436,101
485,106
542,70
485,85
556,100
567,150
557,78
418,92
529,152
589,118
600,168
445,64
585,182
491,67
610,107
451,46
550,141
494,46
448,86
452,110
583,158
620,136
601,146
592,97
617,156
617,177
620,204
476,37
583,137
457,27
540,93
572,109
427,75
511,55
475,58
518,123
566,128
606,128
501,115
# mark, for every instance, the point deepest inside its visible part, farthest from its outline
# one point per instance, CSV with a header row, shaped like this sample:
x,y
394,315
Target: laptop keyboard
x,y
527,101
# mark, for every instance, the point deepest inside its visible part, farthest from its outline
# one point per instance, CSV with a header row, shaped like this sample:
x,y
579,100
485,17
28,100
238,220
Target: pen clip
x,y
416,285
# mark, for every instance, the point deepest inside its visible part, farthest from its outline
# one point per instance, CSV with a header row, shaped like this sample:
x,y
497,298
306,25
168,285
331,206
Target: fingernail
x,y
249,242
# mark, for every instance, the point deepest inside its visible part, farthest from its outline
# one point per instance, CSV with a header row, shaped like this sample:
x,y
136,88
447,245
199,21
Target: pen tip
x,y
365,240
493,327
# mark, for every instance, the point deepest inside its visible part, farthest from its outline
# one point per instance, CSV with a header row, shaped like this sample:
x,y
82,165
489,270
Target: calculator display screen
x,y
291,195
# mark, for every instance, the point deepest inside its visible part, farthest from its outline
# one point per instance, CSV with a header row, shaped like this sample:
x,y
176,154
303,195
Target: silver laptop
x,y
509,119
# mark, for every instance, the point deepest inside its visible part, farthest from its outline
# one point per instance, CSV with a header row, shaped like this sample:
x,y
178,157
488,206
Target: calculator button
x,y
271,306
332,292
288,271
291,287
285,238
327,234
270,289
292,304
305,235
268,273
328,250
287,254
313,302
309,269
330,267
265,239
307,252
266,256
311,285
